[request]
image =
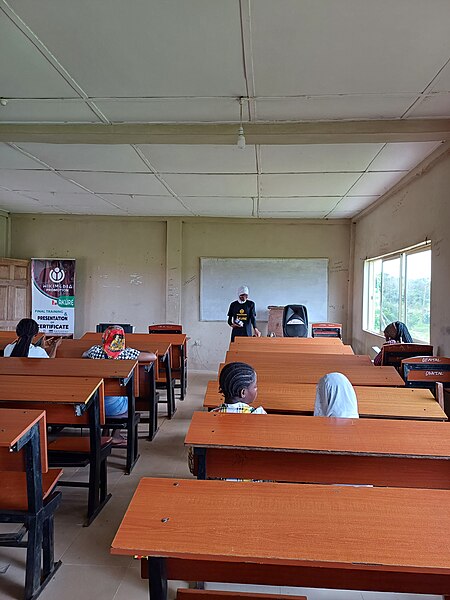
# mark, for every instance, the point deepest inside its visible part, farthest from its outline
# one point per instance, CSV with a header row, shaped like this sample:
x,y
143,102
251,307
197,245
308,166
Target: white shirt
x,y
33,352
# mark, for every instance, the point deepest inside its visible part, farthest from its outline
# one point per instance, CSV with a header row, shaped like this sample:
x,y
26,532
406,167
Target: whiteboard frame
x,y
258,258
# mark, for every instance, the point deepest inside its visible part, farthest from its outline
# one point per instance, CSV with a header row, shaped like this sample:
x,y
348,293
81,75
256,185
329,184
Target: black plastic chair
x,y
295,321
100,328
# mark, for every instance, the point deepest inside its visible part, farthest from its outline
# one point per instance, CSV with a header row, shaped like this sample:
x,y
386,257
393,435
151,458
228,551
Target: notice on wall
x,y
53,295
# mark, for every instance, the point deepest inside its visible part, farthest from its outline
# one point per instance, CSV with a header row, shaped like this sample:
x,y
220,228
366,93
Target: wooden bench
x,y
291,349
27,494
393,354
74,401
321,450
362,538
326,330
311,373
292,360
275,341
373,401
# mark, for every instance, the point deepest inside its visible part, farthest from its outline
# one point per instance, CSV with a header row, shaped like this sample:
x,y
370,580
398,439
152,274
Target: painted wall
x,y
121,273
124,273
418,211
256,240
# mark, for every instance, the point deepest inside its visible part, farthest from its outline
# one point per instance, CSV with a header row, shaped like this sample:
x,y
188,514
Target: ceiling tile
x,y
370,106
200,159
119,183
298,204
37,181
212,185
354,203
221,207
351,46
77,203
375,184
402,156
317,158
170,48
25,72
10,158
307,184
442,81
147,205
15,202
88,157
435,105
169,110
294,215
47,111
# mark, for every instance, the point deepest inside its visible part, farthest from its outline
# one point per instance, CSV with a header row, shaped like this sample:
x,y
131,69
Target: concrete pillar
x,y
174,241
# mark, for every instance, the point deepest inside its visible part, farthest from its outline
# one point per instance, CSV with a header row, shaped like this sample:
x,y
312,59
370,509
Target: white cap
x,y
243,290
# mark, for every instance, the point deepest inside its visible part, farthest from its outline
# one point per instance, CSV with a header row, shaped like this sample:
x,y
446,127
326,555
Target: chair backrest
x,y
100,328
393,354
326,330
165,328
295,321
425,371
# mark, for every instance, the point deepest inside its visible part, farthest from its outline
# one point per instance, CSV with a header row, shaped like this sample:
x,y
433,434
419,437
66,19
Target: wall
x,y
128,271
420,210
228,238
121,272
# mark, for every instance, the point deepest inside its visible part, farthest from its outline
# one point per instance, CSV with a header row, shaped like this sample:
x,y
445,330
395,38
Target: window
x,y
397,288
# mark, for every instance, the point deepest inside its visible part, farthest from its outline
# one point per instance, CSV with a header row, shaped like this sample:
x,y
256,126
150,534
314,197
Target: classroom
x,y
178,151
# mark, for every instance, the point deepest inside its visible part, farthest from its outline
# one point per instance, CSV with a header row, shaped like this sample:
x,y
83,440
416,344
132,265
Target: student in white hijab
x,y
335,397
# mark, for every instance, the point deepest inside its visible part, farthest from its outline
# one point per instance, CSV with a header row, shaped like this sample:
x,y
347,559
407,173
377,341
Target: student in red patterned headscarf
x,y
113,347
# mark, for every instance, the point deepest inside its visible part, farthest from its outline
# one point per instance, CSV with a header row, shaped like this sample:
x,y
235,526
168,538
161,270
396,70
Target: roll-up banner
x,y
53,295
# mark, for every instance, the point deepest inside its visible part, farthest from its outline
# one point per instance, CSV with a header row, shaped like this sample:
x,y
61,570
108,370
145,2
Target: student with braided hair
x,y
22,347
237,383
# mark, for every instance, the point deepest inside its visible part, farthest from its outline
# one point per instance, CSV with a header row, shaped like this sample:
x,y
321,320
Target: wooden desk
x,y
67,401
286,340
144,383
375,402
321,450
291,348
145,343
178,351
358,375
288,360
26,487
381,539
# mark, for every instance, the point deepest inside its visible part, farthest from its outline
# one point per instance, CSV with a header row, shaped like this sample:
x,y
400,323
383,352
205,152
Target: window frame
x,y
369,286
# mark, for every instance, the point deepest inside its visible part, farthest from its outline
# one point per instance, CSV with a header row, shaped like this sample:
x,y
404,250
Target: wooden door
x,y
15,303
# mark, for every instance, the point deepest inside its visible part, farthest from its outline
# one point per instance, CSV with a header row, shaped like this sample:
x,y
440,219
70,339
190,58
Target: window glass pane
x,y
390,292
418,280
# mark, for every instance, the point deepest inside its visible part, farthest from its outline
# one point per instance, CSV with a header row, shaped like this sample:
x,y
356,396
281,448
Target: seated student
x,y
394,333
26,330
237,383
335,397
113,347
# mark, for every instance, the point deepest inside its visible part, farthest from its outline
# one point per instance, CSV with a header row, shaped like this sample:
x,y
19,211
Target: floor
x,y
88,570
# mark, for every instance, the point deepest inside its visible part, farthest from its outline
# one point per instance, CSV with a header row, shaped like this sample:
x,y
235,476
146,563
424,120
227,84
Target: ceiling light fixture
x,y
241,136
3,101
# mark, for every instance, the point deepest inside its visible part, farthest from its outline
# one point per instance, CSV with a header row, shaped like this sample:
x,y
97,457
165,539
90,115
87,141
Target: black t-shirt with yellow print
x,y
245,313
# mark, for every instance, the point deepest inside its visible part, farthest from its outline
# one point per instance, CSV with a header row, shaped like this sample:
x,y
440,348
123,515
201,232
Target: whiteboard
x,y
272,281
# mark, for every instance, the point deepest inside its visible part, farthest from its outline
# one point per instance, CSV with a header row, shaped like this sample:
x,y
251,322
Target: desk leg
x,y
157,580
182,373
95,504
153,403
171,408
35,507
132,437
200,453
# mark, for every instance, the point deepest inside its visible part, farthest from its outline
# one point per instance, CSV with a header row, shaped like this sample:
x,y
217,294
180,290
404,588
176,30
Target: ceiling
x,y
166,61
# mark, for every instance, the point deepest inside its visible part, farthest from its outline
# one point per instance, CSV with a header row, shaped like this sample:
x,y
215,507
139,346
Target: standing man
x,y
242,315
